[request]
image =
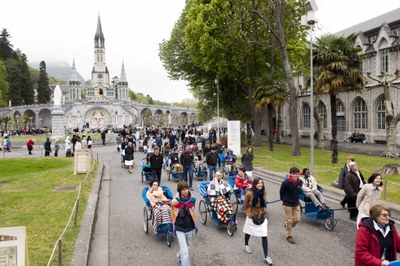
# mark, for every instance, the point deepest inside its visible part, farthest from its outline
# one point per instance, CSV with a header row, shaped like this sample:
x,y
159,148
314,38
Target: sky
x,y
60,30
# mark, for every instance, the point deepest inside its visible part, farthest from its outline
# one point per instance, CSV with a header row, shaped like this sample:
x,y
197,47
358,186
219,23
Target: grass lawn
x,y
280,160
28,199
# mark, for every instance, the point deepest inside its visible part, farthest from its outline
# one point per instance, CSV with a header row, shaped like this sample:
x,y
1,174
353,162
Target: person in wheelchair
x,y
310,189
243,183
218,190
230,157
160,205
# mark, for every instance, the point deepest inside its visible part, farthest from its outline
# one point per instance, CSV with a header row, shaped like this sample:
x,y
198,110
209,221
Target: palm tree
x,y
337,68
272,94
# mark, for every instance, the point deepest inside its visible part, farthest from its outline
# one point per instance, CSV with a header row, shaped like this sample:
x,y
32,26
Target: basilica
x,y
97,104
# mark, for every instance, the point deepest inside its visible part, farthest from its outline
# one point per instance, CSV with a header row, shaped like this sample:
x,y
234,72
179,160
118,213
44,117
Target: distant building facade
x,y
362,112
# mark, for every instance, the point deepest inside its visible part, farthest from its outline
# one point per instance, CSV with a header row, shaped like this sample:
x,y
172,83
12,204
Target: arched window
x,y
340,118
306,115
322,114
381,113
384,56
360,115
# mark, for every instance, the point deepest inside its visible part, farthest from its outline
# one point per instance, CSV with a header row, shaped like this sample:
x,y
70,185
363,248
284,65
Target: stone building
x,y
362,112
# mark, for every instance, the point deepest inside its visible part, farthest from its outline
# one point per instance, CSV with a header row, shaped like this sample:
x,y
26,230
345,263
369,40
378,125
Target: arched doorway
x,y
97,118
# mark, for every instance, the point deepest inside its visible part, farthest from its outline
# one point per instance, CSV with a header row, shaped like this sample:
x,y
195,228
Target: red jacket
x,y
240,183
30,143
367,251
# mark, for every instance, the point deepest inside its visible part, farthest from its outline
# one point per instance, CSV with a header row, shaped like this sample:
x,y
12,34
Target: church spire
x,y
99,37
122,78
74,79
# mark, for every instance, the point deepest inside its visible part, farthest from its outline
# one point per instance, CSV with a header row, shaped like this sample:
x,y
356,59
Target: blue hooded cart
x,y
205,208
164,229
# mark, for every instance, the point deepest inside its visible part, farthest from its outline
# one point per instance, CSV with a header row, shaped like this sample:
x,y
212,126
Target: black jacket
x,y
290,191
187,158
352,184
156,161
212,158
129,153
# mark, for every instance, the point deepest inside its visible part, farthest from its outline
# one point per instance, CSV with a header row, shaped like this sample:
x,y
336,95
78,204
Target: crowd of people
x,y
186,150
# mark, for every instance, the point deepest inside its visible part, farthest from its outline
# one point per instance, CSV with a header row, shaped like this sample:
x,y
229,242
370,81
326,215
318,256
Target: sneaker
x,y
290,240
268,260
247,249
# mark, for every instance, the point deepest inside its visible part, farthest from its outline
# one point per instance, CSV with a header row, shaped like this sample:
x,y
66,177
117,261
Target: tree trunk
x,y
319,121
279,126
391,123
270,127
334,146
257,128
294,128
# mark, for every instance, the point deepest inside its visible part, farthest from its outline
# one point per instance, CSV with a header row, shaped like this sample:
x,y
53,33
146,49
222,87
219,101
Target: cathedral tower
x,y
74,84
122,86
100,82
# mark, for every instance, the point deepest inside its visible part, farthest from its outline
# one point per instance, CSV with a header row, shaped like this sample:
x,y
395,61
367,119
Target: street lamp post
x,y
217,85
309,20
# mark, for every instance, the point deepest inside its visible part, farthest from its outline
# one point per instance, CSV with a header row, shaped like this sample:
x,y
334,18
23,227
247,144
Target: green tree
x,y
20,85
149,99
282,18
43,89
6,50
132,95
14,90
27,91
3,84
337,67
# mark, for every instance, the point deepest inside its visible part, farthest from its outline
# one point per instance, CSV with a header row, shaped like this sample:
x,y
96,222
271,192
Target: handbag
x,y
258,221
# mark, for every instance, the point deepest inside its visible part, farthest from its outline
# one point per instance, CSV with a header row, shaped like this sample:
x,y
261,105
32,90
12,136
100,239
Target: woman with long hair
x,y
256,217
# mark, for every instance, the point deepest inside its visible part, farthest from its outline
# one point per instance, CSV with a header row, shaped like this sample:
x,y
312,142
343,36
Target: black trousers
x,y
351,204
157,174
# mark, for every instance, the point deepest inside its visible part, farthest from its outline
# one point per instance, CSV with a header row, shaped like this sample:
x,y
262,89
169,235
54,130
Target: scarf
x,y
258,196
188,204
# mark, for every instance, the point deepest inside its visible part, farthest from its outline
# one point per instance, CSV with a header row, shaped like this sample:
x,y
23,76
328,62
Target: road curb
x,y
83,242
331,193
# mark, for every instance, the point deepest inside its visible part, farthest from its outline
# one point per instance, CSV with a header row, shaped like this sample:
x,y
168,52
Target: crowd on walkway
x,y
186,151
377,239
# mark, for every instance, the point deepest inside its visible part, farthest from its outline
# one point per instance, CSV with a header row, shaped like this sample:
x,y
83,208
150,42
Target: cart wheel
x,y
235,203
145,220
330,223
203,212
231,228
169,240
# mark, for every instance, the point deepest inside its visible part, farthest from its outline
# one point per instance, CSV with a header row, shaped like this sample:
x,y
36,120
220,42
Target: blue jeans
x,y
185,241
188,169
211,170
